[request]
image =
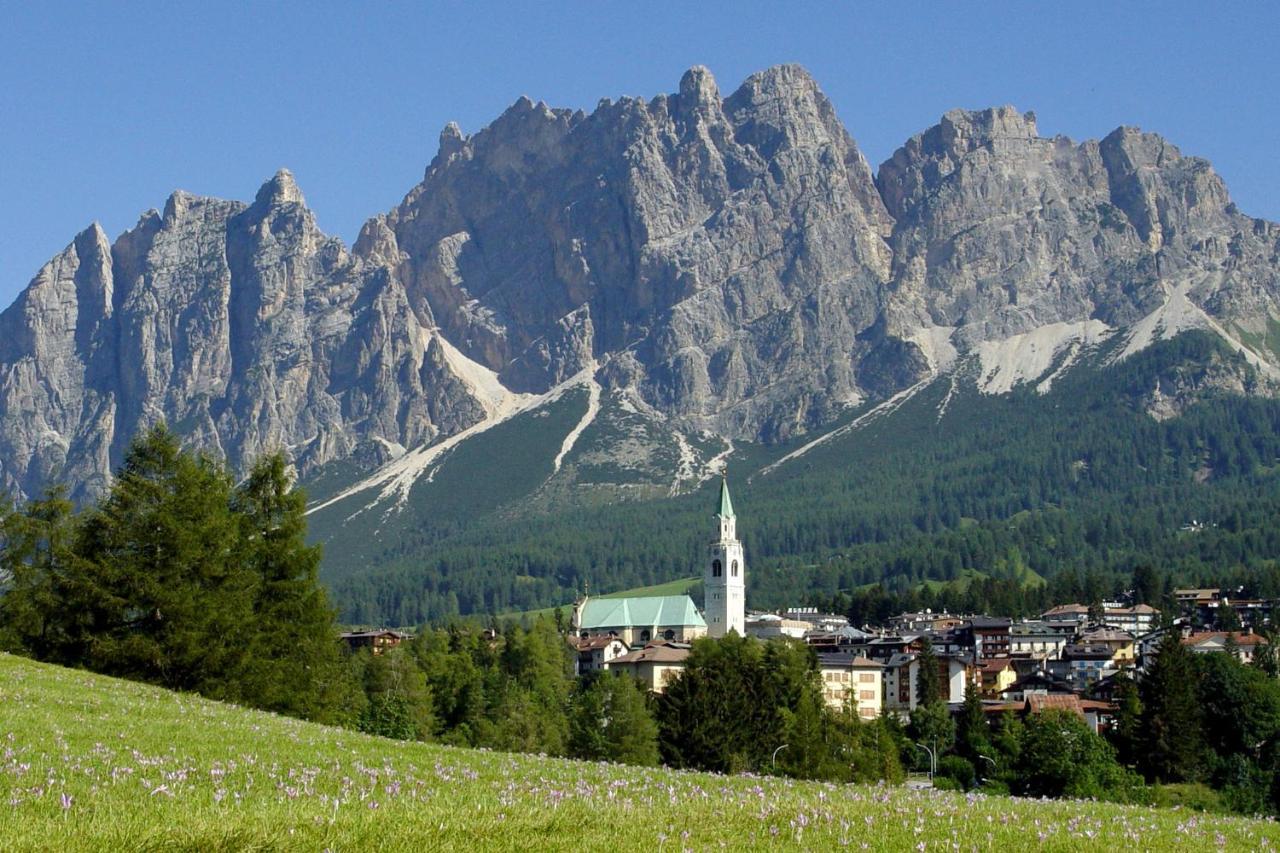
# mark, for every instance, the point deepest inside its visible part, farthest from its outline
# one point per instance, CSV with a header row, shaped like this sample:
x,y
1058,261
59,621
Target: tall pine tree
x,y
1173,747
295,666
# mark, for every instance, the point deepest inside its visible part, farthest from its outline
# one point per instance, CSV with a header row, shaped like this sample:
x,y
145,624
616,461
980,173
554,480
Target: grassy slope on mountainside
x,y
93,763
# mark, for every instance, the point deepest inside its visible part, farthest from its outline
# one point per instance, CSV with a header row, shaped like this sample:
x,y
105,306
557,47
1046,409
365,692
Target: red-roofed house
x,y
595,653
1246,643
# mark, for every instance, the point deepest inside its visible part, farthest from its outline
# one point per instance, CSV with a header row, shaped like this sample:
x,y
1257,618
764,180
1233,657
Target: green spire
x,y
726,505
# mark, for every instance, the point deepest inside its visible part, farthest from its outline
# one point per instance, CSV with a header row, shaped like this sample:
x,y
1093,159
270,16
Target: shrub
x,y
1189,795
958,768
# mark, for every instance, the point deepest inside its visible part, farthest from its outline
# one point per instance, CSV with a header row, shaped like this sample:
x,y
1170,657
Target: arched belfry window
x,y
716,568
734,568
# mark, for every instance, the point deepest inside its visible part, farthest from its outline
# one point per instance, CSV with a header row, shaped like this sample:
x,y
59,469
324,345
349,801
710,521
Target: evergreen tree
x,y
400,705
1172,741
295,667
928,687
631,730
453,662
932,726
1264,656
731,706
178,579
610,721
38,560
973,734
1148,586
1060,756
532,691
1240,706
809,739
1126,732
1227,618
162,595
588,720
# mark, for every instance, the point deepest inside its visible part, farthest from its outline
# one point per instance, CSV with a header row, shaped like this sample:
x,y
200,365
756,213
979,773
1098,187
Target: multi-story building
x,y
377,641
656,665
1082,665
1243,644
1039,640
852,681
1138,619
595,653
988,637
768,625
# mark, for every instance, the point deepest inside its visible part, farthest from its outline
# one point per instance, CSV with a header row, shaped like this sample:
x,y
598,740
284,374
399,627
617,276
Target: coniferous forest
x,y
970,507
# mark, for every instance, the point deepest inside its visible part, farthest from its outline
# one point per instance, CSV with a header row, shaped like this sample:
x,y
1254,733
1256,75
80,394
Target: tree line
x,y
1079,481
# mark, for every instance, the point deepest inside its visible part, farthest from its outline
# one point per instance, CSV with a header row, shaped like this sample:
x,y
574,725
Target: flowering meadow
x,y
93,763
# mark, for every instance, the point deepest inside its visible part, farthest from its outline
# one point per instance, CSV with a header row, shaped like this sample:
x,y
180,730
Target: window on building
x,y
734,568
668,634
716,568
645,635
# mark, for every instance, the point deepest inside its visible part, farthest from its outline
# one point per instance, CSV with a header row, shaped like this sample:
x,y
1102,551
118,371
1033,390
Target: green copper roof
x,y
647,612
726,505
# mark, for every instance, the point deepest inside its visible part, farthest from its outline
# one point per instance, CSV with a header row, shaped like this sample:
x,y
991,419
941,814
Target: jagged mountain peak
x,y
280,190
698,86
728,265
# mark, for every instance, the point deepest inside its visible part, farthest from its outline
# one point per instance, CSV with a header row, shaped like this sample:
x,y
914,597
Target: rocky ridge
x,y
728,265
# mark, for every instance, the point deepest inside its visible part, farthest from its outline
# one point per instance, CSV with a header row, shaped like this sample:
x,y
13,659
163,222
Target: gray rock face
x,y
1000,231
729,261
721,254
242,326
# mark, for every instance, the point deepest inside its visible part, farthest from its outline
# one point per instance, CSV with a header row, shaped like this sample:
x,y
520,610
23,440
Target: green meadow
x,y
93,763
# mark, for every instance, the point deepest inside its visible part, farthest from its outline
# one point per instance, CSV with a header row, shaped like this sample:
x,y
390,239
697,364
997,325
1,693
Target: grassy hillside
x,y
92,763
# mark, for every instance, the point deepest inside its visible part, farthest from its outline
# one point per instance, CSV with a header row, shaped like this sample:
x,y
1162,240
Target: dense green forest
x,y
1077,486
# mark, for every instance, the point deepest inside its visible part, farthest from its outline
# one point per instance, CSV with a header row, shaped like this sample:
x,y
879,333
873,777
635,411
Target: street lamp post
x,y
775,754
933,761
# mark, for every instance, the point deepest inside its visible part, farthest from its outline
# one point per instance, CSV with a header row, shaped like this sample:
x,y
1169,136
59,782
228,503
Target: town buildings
x,y
1071,657
1243,644
648,636
595,653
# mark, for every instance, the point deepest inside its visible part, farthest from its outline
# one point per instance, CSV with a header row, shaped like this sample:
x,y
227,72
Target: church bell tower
x,y
725,579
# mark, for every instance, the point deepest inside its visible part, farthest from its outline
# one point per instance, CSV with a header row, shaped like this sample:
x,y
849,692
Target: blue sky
x,y
106,108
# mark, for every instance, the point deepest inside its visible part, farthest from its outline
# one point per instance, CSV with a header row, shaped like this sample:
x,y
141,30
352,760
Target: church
x,y
675,618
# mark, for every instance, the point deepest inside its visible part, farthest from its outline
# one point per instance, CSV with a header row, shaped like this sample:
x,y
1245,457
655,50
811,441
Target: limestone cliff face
x,y
1000,231
722,254
728,262
241,325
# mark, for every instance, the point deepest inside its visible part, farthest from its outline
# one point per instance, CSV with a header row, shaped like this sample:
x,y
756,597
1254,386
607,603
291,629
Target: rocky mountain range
x,y
727,267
